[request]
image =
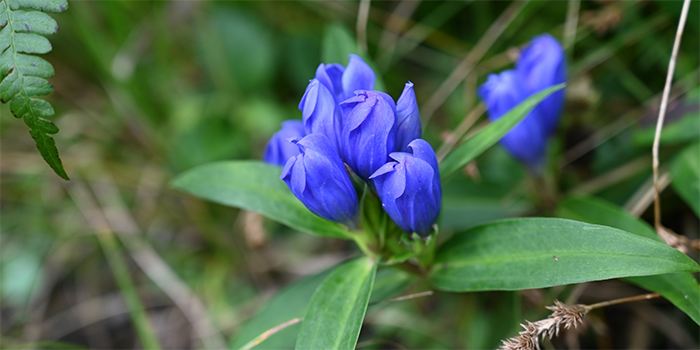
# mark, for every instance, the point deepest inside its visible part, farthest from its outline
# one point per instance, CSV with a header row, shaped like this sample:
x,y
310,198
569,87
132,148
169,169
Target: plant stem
x,y
662,112
588,308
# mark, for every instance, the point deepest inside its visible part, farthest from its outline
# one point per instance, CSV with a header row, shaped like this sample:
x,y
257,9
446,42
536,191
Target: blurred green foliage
x,y
147,90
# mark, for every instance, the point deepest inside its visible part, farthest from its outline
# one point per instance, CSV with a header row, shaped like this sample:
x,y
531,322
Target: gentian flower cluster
x,y
541,65
346,122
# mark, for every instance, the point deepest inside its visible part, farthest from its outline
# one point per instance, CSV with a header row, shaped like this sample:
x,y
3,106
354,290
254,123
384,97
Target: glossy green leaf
x,y
681,289
255,186
484,139
337,309
601,212
685,176
543,252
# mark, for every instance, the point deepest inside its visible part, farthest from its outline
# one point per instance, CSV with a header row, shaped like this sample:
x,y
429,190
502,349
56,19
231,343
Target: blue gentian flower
x,y
409,188
369,131
333,84
540,66
408,119
320,112
278,149
318,178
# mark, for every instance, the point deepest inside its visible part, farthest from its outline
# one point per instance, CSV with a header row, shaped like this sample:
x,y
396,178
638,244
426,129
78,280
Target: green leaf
x,y
685,176
477,144
40,129
334,317
681,289
337,44
34,22
22,76
41,5
255,186
31,43
288,304
543,252
291,303
601,212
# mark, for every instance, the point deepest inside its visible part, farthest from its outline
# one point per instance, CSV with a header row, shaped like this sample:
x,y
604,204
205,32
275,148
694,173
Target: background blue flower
x,y
541,65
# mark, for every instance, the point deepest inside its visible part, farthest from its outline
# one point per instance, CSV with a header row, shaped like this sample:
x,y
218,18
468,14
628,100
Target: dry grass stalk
x,y
562,315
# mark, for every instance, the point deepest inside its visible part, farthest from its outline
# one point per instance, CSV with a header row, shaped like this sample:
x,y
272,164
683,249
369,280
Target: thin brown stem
x,y
588,308
361,28
270,332
662,112
405,297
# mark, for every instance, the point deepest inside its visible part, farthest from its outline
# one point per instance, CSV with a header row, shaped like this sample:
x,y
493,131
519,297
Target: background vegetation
x,y
115,258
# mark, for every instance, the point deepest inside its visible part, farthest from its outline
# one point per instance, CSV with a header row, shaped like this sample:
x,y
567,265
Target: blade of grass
x,y
105,237
470,60
119,267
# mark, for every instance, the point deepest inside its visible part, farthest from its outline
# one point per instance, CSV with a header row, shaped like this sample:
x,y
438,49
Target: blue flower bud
x,y
369,132
331,75
408,119
320,112
317,177
409,188
357,76
541,65
527,140
278,149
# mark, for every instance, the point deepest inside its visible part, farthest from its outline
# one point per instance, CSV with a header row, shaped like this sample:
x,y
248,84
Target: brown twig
x,y
270,332
405,297
361,27
665,234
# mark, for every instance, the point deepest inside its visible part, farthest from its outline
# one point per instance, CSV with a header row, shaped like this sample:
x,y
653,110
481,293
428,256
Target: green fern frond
x,y
23,76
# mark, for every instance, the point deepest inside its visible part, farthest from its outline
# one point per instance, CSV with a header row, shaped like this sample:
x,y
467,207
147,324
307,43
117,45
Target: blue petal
x,y
330,75
408,118
421,149
278,150
319,112
317,177
357,76
369,133
542,64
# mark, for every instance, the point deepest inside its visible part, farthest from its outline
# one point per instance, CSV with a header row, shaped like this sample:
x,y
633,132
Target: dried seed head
x,y
529,338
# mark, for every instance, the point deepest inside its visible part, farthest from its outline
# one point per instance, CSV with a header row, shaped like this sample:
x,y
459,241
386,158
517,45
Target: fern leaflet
x,y
23,76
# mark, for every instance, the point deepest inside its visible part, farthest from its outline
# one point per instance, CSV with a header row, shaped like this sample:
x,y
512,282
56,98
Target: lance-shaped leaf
x,y
681,289
334,317
255,186
484,139
543,252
